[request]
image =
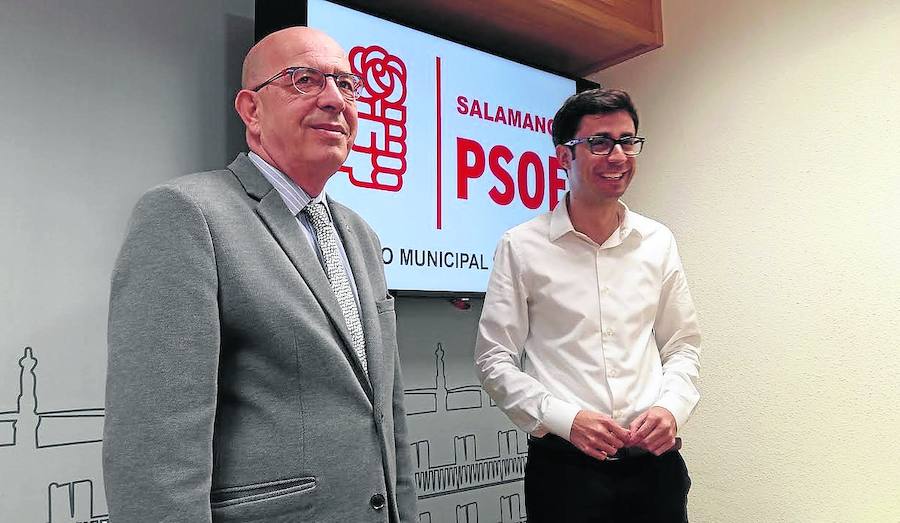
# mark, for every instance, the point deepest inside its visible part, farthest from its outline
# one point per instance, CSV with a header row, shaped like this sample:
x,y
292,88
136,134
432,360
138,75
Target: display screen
x,y
454,147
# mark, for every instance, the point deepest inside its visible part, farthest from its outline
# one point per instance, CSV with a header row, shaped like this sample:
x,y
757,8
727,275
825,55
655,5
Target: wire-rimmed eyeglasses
x,y
604,145
308,80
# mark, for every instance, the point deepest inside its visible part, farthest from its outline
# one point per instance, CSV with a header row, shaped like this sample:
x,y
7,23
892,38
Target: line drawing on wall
x,y
38,447
512,510
467,513
468,471
28,426
427,400
469,461
73,502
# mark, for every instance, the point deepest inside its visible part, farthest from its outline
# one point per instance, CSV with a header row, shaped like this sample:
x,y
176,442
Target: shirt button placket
x,y
602,291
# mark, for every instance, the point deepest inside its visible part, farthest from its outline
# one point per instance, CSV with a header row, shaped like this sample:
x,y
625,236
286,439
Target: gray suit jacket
x,y
233,393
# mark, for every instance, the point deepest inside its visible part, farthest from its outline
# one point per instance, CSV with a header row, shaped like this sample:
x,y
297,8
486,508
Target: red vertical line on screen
x,y
437,77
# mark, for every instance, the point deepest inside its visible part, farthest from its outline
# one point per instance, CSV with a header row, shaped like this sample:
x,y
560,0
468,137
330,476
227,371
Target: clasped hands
x,y
599,436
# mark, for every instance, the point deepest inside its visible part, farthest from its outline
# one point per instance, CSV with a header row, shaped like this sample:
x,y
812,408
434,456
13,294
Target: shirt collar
x,y
561,223
295,198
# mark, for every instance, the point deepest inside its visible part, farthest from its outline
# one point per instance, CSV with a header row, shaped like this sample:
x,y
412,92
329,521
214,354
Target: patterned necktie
x,y
340,283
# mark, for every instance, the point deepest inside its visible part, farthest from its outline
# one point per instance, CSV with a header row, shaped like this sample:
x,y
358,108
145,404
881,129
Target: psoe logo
x,y
382,114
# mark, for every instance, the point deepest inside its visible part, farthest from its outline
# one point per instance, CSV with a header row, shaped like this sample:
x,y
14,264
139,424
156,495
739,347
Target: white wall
x,y
773,136
101,100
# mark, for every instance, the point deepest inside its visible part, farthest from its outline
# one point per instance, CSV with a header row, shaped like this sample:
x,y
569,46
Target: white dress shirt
x,y
568,325
295,198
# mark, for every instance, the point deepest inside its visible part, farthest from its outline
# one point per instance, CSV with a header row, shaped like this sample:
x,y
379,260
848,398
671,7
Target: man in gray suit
x,y
253,367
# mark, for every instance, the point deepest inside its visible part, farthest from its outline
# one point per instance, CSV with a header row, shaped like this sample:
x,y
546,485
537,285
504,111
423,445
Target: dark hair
x,y
593,101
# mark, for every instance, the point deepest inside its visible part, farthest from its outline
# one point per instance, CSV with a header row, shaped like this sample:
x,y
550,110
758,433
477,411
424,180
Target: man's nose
x,y
617,155
331,98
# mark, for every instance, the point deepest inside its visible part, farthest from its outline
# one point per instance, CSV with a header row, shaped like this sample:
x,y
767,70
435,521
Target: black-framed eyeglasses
x,y
311,81
604,145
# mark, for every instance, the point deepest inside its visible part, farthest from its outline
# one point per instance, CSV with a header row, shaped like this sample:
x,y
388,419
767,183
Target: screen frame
x,y
272,15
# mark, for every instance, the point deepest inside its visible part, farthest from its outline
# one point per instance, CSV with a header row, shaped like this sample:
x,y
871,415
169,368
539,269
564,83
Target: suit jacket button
x,y
377,501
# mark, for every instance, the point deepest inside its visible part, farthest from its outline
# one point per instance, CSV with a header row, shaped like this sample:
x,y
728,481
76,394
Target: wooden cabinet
x,y
573,37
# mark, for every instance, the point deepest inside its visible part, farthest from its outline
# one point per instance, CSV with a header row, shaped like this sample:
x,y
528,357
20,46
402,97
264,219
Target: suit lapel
x,y
285,229
367,298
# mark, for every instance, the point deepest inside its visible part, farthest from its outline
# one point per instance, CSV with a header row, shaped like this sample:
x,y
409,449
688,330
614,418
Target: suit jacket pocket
x,y
385,305
260,494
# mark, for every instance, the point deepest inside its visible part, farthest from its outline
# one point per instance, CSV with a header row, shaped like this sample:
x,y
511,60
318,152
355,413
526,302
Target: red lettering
x,y
506,196
528,124
501,115
464,170
556,183
531,201
475,109
462,105
514,117
530,182
487,112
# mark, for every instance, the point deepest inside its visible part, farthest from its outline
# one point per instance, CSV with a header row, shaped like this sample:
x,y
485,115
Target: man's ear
x,y
246,103
564,155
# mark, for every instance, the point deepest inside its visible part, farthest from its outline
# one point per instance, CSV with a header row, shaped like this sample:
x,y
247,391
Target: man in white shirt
x,y
588,338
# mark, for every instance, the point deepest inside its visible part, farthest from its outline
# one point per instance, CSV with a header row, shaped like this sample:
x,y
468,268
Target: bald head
x,y
305,135
264,59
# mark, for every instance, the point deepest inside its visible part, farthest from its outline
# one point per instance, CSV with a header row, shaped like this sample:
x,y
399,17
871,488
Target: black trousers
x,y
564,485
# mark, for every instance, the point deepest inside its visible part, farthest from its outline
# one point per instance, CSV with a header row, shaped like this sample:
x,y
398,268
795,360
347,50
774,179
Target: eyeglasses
x,y
604,145
307,80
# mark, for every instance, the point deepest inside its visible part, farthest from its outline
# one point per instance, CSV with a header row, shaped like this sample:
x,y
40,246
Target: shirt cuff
x,y
559,416
679,411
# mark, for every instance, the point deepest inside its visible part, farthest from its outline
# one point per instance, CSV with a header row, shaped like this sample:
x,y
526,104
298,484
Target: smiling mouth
x,y
612,176
330,129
